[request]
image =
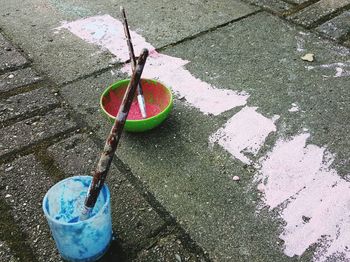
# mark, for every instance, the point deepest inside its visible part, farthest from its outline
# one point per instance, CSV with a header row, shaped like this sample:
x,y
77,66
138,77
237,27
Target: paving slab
x,y
34,130
5,253
27,104
24,183
336,27
347,43
162,23
169,22
277,6
314,13
35,34
10,58
135,223
169,248
16,80
298,1
195,183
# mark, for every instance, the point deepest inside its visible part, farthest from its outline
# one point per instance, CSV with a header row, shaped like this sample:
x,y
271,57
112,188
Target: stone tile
x,y
316,12
134,220
277,6
336,27
169,248
6,254
18,79
10,58
24,184
33,130
27,103
347,43
160,23
298,1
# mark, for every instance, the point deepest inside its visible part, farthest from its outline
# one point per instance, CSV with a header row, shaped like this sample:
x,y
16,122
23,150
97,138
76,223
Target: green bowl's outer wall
x,y
142,124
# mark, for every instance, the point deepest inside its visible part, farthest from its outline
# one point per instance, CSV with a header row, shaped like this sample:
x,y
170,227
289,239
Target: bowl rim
x,y
137,120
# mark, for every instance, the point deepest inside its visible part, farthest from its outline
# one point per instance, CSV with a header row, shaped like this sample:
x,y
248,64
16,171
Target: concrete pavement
x,y
259,175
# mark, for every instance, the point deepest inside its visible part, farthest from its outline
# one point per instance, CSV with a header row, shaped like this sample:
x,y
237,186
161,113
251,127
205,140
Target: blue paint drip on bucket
x,y
82,241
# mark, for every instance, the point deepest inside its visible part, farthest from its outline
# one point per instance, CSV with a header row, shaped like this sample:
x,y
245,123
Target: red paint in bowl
x,y
158,99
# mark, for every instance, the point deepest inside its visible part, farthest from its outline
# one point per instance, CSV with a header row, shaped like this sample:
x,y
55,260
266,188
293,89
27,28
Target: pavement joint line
x,y
328,17
92,74
299,7
307,3
283,16
212,29
119,65
311,28
18,48
36,112
15,68
291,2
32,147
189,243
340,41
47,162
314,31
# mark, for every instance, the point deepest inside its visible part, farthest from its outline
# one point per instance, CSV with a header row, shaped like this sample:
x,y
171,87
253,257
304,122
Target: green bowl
x,y
156,95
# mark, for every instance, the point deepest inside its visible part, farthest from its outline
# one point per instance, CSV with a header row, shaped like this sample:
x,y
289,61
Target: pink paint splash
x,y
315,201
205,97
107,32
246,131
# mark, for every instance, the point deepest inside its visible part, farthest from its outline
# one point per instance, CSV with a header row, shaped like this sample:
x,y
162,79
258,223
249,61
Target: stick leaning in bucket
x,y
140,97
113,138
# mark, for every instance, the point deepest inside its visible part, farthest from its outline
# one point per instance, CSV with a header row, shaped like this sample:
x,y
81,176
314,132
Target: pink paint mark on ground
x,y
315,201
107,32
205,97
246,131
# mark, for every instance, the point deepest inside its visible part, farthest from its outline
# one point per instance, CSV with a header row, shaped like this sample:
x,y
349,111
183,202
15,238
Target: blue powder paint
x,y
78,240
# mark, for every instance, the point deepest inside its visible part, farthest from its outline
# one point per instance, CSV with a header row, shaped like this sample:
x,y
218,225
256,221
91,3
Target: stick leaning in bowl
x,y
140,97
113,138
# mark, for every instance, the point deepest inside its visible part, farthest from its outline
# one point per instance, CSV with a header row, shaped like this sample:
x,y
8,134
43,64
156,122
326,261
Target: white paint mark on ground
x,y
170,70
294,108
315,200
341,69
246,131
108,33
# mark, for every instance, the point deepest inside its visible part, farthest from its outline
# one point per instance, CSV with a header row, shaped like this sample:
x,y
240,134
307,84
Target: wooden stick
x,y
113,138
140,97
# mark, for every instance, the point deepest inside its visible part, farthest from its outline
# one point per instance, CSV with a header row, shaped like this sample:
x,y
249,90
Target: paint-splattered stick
x,y
110,147
140,97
